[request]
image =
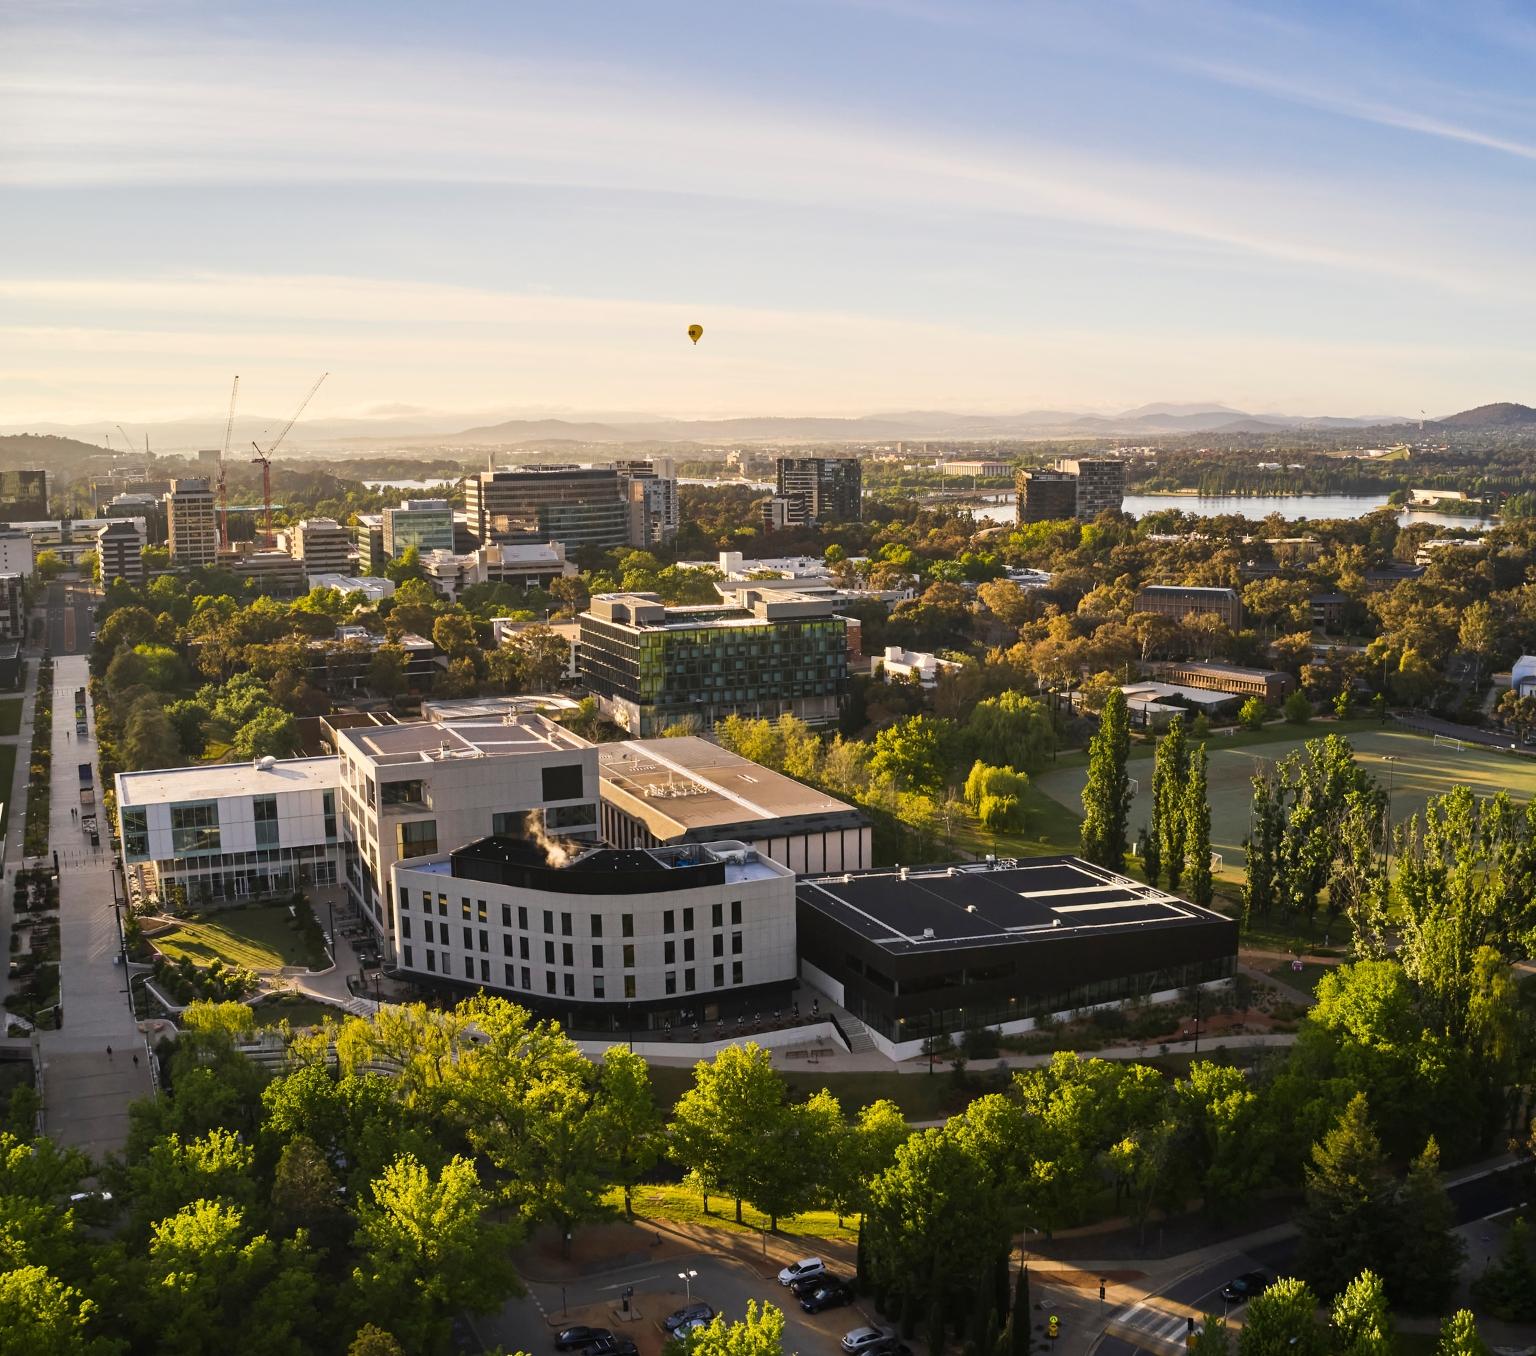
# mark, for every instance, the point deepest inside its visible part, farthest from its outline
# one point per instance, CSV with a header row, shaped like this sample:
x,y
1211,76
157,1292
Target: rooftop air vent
x,y
265,763
927,934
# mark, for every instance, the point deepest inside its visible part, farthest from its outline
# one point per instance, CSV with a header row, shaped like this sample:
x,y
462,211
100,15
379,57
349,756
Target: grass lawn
x,y
253,937
7,776
10,715
296,1011
921,1097
684,1205
1418,769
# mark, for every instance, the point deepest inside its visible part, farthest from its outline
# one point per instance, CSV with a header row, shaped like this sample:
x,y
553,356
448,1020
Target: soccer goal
x,y
1215,863
1135,784
1449,742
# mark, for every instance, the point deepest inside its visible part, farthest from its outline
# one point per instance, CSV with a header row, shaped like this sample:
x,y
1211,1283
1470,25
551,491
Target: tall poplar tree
x,y
1107,792
1196,815
1169,770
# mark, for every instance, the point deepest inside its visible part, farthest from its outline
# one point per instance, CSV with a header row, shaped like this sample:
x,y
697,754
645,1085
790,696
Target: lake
x,y
405,484
1002,509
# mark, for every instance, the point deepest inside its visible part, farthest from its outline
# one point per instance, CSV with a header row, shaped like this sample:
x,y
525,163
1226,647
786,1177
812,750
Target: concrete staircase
x,y
859,1042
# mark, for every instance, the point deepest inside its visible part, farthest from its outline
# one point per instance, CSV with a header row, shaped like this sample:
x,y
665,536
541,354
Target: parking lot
x,y
530,1324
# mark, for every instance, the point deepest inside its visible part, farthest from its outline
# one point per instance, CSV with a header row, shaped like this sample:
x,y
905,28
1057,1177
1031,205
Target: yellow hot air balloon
x,y
695,332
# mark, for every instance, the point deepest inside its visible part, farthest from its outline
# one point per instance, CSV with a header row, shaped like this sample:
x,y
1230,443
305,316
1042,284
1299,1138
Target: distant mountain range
x,y
406,428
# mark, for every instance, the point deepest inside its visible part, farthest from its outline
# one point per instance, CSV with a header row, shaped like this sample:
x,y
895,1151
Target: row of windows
x,y
520,977
195,826
567,949
595,920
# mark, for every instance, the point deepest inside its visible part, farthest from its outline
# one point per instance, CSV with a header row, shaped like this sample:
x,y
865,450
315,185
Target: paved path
x,y
15,797
86,1093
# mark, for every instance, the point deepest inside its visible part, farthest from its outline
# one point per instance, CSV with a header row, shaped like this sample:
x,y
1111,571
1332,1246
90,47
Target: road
x,y
1160,1322
71,611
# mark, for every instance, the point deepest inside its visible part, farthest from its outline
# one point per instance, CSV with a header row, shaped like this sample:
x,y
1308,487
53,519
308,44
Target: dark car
x,y
610,1346
687,1314
1243,1288
828,1296
568,1339
804,1285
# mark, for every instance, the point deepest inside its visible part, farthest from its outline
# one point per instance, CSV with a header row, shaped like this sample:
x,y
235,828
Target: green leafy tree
x,y
304,1187
1107,792
216,1167
759,1333
1347,1224
41,1316
631,1126
1344,704
1459,1336
866,1150
1507,1289
1283,1322
1429,1254
1362,1325
1170,769
1197,829
1212,1337
270,733
1252,714
914,753
1011,729
429,1249
1019,1321
717,1122
374,1341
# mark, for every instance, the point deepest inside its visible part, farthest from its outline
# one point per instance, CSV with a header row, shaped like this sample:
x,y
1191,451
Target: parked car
x,y
806,1266
803,1285
1243,1288
828,1296
859,1340
689,1313
568,1339
611,1346
692,1326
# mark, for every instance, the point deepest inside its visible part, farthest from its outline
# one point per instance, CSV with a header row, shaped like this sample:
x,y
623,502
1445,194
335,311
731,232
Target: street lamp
x,y
686,1277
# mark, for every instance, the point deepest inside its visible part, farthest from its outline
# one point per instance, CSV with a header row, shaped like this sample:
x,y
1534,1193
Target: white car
x,y
862,1339
802,1270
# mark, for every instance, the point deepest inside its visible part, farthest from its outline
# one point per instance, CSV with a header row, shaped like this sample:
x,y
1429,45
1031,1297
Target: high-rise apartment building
x,y
426,524
120,551
323,545
577,505
1100,484
650,665
23,496
650,488
813,490
1046,496
191,523
368,535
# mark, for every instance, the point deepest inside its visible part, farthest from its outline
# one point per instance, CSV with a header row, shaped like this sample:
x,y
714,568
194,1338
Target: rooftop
x,y
1189,588
214,781
685,784
1038,900
574,867
428,742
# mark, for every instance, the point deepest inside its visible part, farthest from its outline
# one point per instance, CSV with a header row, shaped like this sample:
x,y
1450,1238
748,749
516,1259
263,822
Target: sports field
x,y
1419,769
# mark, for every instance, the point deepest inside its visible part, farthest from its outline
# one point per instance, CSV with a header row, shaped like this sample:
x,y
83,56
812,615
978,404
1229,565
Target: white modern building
x,y
421,789
669,792
650,490
1522,674
16,555
914,666
652,937
375,590
231,831
120,550
527,565
191,523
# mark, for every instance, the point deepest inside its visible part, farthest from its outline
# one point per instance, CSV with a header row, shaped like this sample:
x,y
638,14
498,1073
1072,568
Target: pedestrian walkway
x,y
85,1093
16,813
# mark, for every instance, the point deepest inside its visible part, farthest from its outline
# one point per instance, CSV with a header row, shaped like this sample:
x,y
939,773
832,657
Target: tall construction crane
x,y
127,441
264,460
229,428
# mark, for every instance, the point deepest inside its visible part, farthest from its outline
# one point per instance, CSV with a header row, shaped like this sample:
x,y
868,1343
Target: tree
x,y
1296,708
867,1150
913,753
428,1250
303,1187
405,566
1212,1337
41,1316
386,670
1107,792
1361,1324
1197,829
1019,1321
454,634
272,733
149,738
1346,1226
373,1341
1422,1273
630,1133
1507,1289
716,1124
1282,1322
1170,768
759,1333
1343,704
215,1166
1459,1336
1252,714
1011,729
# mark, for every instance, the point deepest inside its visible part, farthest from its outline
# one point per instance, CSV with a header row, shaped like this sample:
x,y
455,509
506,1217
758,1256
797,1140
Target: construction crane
x,y
264,460
229,428
127,441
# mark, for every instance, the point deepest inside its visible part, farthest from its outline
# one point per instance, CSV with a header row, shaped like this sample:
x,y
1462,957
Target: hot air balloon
x,y
695,332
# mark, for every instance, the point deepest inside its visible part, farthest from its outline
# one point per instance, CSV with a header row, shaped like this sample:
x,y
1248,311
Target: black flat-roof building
x,y
914,951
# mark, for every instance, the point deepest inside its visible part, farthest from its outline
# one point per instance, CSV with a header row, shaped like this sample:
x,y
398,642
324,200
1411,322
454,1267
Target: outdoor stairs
x,y
857,1034
359,1007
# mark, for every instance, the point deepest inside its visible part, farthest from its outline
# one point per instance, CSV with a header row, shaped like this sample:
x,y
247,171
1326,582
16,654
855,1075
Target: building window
x,y
549,921
485,940
629,986
597,925
135,833
522,949
597,987
565,925
687,948
669,953
717,915
404,793
480,911
408,961
719,976
469,939
510,982
522,917
432,961
549,953
667,920
629,956
469,967
510,824
549,981
687,920
570,817
405,899
735,972
627,924
416,838
194,828
671,981
735,943
442,905
567,954
426,901
405,925
506,946
735,912
688,980
597,958
506,915
719,944
570,986
264,811
330,814
464,907
485,971
527,978
563,783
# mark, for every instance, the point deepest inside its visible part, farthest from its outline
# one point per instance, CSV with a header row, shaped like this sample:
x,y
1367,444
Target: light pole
x,y
686,1277
1390,759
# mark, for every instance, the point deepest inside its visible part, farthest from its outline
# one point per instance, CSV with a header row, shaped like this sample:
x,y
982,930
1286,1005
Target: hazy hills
x,y
1504,414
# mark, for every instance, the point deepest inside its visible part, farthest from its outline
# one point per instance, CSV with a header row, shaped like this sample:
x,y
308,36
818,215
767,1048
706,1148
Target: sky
x,y
870,205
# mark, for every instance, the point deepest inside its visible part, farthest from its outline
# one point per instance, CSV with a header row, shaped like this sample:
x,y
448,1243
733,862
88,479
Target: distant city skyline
x,y
870,205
